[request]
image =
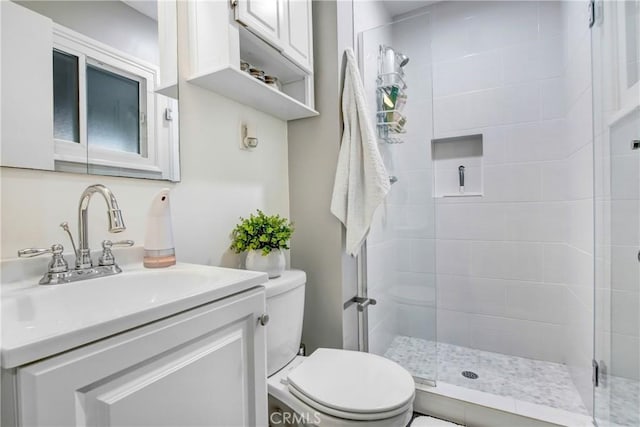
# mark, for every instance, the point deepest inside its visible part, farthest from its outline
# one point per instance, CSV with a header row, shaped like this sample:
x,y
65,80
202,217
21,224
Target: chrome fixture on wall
x,y
58,269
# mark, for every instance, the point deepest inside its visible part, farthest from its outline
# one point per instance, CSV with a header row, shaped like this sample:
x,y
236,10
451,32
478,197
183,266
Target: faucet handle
x,y
107,257
31,252
57,264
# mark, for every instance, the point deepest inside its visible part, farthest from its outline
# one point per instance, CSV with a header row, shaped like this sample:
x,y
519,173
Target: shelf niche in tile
x,y
448,155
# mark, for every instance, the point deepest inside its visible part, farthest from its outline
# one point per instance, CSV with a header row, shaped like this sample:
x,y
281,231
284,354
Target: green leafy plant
x,y
261,232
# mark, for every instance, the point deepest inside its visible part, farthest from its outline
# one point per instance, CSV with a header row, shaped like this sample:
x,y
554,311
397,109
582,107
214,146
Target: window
x,y
65,97
115,114
104,107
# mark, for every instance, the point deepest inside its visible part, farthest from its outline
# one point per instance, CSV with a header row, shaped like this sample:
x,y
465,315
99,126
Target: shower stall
x,y
511,134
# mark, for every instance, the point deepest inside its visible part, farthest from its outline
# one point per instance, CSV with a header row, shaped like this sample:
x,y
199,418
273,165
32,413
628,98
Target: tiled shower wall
x,y
578,259
401,246
381,242
498,69
514,272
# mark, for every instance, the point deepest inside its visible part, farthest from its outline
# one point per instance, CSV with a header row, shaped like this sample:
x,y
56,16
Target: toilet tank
x,y
285,306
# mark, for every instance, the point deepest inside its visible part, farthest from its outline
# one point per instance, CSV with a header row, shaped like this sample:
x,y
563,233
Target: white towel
x,y
361,183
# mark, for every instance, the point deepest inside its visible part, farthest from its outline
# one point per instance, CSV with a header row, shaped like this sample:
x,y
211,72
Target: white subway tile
x,y
537,222
625,227
581,224
519,104
470,221
453,327
536,301
489,259
555,180
624,356
467,73
555,263
493,145
625,175
552,99
550,55
453,257
538,340
423,256
511,183
550,22
625,307
625,273
581,175
524,261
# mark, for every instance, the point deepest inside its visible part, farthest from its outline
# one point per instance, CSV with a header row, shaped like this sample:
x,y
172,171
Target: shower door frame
x,y
362,297
613,101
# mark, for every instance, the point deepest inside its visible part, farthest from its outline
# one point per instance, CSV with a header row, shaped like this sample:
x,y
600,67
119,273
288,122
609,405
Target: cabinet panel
x,y
26,54
262,17
203,367
297,43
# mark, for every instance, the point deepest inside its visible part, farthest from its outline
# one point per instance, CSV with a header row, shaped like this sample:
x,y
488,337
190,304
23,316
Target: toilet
x,y
329,387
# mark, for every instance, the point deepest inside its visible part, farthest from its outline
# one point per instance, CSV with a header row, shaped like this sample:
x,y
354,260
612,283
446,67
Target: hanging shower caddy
x,y
391,96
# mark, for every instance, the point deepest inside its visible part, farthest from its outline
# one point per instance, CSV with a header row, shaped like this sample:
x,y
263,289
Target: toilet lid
x,y
352,384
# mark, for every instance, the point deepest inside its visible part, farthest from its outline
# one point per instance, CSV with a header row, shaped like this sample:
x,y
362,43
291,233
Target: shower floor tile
x,y
618,402
535,381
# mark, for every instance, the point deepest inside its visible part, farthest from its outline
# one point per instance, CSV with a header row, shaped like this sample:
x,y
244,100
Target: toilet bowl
x,y
330,387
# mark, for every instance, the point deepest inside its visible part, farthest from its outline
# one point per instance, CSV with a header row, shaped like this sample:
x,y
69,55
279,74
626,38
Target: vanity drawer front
x,y
206,366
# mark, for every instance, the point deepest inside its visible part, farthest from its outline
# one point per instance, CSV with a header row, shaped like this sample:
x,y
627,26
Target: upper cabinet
x,y
298,41
237,48
262,17
285,24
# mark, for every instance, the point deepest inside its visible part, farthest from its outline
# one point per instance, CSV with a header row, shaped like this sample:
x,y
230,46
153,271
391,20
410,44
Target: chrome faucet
x,y
116,224
58,271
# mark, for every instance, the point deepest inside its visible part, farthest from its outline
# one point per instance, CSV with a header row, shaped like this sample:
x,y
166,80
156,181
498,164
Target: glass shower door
x,y
400,263
616,109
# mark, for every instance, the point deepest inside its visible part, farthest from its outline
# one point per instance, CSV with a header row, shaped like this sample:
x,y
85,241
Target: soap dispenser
x,y
159,250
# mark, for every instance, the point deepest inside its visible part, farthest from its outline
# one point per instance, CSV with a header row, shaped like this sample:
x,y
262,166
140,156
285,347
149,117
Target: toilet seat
x,y
352,385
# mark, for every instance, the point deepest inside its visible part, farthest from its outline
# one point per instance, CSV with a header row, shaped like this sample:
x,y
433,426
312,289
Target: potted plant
x,y
263,237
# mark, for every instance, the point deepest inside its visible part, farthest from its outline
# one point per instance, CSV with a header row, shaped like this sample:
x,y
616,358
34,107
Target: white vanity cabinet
x,y
285,24
204,366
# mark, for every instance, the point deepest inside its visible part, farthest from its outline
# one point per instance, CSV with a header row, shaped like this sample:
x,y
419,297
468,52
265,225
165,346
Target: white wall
x,y
219,184
109,21
317,244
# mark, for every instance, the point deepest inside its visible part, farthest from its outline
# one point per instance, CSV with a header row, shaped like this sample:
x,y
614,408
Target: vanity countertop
x,y
40,321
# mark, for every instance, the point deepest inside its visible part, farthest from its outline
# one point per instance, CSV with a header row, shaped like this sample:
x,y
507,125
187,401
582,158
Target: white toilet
x,y
330,387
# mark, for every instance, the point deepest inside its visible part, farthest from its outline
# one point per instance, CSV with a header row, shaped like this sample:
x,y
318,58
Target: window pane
x,y
65,97
113,110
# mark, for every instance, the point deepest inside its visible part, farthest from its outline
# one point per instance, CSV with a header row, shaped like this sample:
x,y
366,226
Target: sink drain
x,y
469,374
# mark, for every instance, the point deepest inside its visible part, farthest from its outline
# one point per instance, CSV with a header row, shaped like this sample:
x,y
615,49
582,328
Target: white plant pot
x,y
272,264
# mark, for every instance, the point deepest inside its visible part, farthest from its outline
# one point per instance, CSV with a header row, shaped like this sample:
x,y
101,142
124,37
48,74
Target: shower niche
x,y
457,166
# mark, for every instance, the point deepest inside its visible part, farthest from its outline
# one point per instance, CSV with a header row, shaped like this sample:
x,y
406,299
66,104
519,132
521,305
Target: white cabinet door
x,y
26,53
168,43
206,366
298,37
263,18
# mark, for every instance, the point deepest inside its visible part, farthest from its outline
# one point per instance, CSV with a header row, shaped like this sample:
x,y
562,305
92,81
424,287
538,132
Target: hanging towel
x,y
361,183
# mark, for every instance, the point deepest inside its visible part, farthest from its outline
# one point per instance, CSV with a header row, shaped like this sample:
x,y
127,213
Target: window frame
x,y
99,55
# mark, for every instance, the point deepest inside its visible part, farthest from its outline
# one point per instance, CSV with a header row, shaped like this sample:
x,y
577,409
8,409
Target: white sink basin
x,y
39,321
